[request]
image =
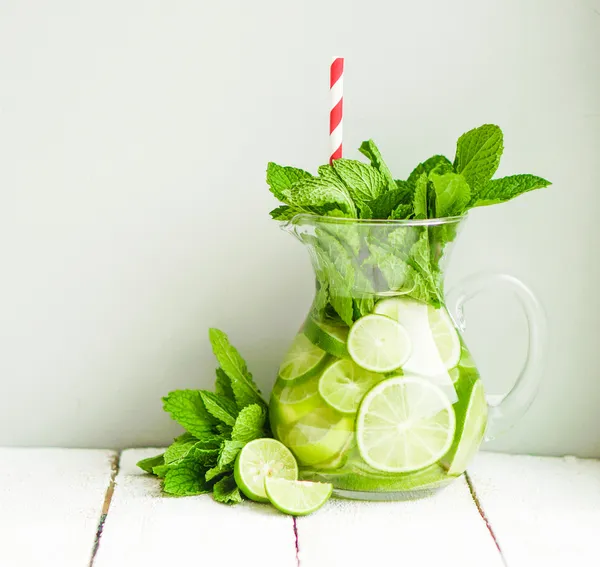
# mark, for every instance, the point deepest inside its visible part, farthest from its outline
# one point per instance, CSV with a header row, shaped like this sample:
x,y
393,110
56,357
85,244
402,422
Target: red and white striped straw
x,y
336,86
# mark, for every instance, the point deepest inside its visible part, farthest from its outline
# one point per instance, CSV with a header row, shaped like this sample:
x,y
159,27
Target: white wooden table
x,y
85,508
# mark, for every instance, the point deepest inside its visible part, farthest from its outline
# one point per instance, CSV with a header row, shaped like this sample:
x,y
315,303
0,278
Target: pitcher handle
x,y
503,414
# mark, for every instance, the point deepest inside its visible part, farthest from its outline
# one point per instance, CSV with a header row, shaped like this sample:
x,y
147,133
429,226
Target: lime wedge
x,y
331,338
471,418
260,459
404,424
436,345
319,436
303,359
378,343
297,497
343,385
466,360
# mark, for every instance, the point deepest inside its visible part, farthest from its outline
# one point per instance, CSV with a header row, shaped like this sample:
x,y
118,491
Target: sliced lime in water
x,y
343,385
303,359
404,424
297,497
260,459
471,419
379,344
291,401
331,338
319,436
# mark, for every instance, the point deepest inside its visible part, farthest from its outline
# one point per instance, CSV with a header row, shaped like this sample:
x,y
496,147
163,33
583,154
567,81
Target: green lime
x,y
331,338
302,360
378,343
466,360
404,424
297,497
260,459
343,385
435,341
291,401
319,436
471,419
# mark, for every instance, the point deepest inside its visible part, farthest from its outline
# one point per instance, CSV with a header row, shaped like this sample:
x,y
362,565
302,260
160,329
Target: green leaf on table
x,y
187,409
179,450
440,163
229,451
216,471
219,407
226,491
281,178
363,181
371,151
186,478
478,154
420,205
249,424
161,470
506,188
452,194
244,389
147,465
223,385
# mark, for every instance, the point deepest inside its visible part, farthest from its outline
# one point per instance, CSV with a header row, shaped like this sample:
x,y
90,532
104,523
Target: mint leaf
x,y
178,451
506,188
223,385
383,206
284,213
147,465
363,181
183,437
186,478
249,424
281,179
219,407
213,473
371,151
427,282
478,154
452,194
318,196
420,205
401,212
187,409
229,451
161,470
395,270
244,389
440,163
226,491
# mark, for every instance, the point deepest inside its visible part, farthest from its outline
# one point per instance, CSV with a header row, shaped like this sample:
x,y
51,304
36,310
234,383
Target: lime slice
x,y
454,374
471,419
260,459
343,385
435,341
466,360
331,338
291,401
404,424
319,436
302,360
378,343
297,497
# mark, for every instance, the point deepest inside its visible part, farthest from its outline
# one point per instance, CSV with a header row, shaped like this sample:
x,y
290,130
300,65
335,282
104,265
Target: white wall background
x,y
134,214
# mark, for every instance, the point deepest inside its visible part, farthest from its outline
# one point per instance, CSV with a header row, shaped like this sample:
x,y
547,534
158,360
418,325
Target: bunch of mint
x,y
436,188
218,424
353,262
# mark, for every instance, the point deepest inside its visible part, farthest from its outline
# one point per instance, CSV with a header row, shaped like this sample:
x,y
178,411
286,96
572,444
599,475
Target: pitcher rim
x,y
296,219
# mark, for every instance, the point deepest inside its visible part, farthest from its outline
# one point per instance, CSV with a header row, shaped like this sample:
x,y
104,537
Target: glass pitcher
x,y
378,393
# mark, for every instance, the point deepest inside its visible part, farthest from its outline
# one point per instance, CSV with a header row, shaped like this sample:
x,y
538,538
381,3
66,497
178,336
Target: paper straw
x,y
336,86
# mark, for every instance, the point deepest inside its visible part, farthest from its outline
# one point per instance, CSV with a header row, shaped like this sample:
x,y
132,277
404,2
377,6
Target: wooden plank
x,y
543,510
444,529
146,528
50,505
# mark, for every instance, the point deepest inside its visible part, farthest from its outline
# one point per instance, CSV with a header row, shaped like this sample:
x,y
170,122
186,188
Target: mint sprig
x,y
438,187
218,425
